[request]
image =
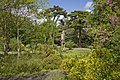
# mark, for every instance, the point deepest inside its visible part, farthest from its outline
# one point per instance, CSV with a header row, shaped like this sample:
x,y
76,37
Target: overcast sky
x,y
71,5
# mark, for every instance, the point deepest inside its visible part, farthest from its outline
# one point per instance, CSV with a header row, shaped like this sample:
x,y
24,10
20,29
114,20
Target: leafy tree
x,y
57,13
51,17
77,23
105,19
12,17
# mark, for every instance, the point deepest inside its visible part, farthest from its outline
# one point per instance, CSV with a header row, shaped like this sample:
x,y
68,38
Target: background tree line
x,y
18,30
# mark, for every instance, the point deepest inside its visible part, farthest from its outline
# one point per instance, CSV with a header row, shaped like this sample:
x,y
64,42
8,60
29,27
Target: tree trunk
x,y
79,38
52,36
7,41
53,40
6,46
63,40
18,42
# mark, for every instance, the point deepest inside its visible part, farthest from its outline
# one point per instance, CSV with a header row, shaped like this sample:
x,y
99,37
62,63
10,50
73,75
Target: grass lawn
x,y
79,52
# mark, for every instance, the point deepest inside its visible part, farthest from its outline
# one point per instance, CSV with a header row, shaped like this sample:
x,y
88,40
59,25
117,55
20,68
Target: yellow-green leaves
x,y
29,1
67,63
99,65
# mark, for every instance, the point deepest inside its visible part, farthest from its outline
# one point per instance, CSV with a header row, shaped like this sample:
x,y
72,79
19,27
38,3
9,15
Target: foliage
x,y
13,45
104,20
52,16
114,44
44,59
1,43
51,62
100,64
67,63
77,28
70,44
37,39
14,19
26,65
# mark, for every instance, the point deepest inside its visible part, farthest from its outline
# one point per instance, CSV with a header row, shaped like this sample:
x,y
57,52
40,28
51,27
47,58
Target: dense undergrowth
x,y
29,63
44,58
99,64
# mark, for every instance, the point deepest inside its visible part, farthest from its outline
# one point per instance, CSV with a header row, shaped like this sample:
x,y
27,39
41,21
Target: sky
x,y
71,5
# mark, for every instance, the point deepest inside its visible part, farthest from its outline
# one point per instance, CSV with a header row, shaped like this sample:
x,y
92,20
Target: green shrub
x,y
67,63
51,62
44,58
1,44
25,65
70,44
114,44
14,45
100,64
78,70
44,50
